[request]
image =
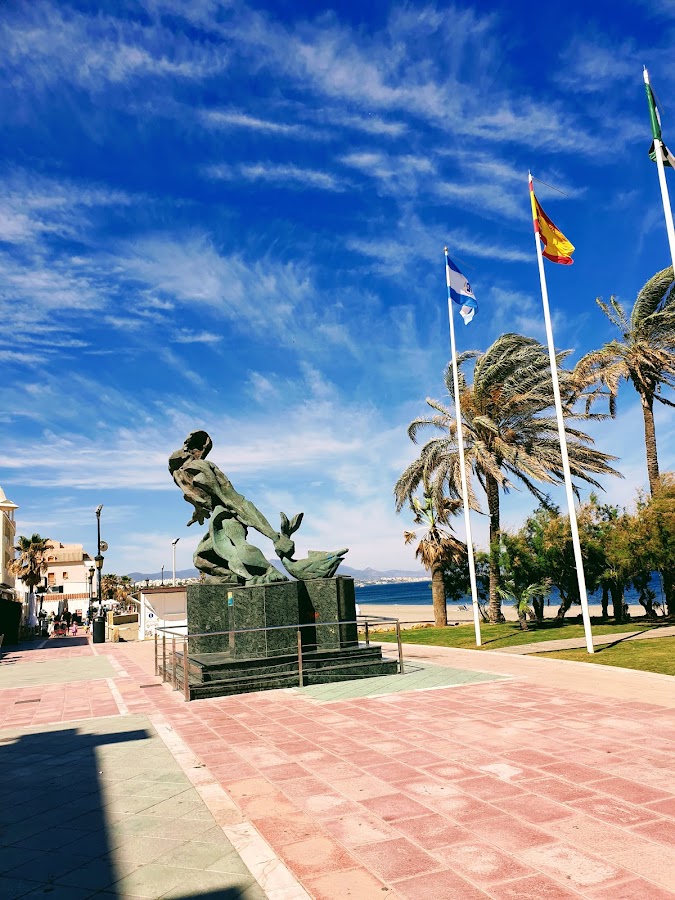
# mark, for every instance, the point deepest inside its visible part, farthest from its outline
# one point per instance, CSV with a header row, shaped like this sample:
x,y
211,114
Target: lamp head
x,y
99,561
98,509
175,542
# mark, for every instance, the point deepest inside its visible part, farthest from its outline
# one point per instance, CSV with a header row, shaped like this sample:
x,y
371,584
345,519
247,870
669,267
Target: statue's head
x,y
198,444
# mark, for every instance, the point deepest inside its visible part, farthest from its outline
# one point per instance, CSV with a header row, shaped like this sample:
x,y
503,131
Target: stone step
x,y
204,670
247,683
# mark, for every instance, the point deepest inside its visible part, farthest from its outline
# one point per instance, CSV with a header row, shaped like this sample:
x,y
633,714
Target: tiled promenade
x,y
484,775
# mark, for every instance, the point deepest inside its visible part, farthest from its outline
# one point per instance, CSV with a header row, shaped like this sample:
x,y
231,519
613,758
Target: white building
x,y
7,540
67,577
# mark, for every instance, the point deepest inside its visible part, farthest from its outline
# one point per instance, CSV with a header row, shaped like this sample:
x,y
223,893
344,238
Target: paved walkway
x,y
598,640
551,780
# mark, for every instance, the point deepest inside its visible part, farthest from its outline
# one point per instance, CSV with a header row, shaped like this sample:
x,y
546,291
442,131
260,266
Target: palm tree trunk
x,y
650,442
653,474
616,591
495,604
438,597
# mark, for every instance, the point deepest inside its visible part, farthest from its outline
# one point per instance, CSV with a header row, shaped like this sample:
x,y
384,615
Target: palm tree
x,y
31,564
437,546
644,355
509,432
524,600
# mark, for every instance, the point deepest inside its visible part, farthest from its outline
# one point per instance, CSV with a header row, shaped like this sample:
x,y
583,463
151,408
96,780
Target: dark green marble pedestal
x,y
281,606
239,661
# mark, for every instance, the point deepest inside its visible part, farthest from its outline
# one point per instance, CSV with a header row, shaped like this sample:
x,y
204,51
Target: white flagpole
x,y
665,199
462,472
563,444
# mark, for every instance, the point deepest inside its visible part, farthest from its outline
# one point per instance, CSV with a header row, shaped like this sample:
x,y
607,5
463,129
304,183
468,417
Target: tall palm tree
x,y
644,355
509,433
31,563
437,546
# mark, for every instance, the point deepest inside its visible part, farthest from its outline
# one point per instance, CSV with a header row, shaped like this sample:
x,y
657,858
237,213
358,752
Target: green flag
x,y
655,120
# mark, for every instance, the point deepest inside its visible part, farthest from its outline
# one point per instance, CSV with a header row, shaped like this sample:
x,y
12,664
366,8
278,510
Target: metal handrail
x,y
181,633
166,630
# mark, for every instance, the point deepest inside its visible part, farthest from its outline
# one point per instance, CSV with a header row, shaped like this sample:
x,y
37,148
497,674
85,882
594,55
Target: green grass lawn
x,y
507,635
649,656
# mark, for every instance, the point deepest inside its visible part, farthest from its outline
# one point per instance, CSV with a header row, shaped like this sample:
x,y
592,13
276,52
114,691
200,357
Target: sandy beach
x,y
423,612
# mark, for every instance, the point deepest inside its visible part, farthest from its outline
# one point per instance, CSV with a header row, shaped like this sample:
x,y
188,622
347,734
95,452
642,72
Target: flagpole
x,y
562,438
462,472
665,199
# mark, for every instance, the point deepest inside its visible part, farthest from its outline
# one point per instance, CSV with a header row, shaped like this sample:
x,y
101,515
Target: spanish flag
x,y
556,246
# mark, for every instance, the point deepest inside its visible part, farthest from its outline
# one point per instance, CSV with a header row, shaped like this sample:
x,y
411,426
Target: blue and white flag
x,y
459,291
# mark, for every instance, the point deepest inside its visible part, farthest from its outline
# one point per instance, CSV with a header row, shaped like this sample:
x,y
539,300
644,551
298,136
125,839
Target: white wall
x,y
162,608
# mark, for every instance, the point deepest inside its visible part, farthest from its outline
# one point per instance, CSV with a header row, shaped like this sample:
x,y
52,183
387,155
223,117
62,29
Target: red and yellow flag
x,y
556,246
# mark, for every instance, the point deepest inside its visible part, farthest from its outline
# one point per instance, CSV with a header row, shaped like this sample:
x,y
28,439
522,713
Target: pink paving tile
x,y
333,770
393,771
418,758
488,788
662,831
288,828
363,787
315,856
534,809
481,863
571,866
432,831
536,887
284,772
572,772
298,788
450,771
355,883
628,790
526,756
396,806
664,807
329,805
398,858
635,889
363,758
438,886
466,810
361,828
430,789
615,812
557,789
508,834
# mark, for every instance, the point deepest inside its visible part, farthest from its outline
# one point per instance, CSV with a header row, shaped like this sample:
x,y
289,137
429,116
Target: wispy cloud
x,y
294,177
196,337
215,118
53,44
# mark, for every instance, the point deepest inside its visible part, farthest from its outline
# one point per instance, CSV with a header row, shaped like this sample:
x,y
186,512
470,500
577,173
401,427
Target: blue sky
x,y
232,217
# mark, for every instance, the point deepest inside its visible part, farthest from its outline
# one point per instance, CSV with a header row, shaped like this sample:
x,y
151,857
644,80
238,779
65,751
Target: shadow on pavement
x,y
53,830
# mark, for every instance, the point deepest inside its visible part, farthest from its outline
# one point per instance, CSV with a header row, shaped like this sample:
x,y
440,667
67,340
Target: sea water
x,y
413,593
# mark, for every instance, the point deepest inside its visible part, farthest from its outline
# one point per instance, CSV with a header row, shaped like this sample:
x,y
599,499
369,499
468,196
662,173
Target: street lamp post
x,y
173,551
162,576
92,572
99,559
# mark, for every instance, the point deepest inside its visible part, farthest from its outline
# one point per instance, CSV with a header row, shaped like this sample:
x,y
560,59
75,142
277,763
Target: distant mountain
x,y
368,574
168,574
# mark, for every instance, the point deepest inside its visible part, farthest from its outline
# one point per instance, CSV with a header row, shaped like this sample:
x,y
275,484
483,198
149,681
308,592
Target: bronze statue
x,y
224,554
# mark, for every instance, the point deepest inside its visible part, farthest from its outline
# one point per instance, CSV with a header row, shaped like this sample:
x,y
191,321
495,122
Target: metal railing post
x,y
156,657
400,648
300,679
174,677
163,657
367,635
186,671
